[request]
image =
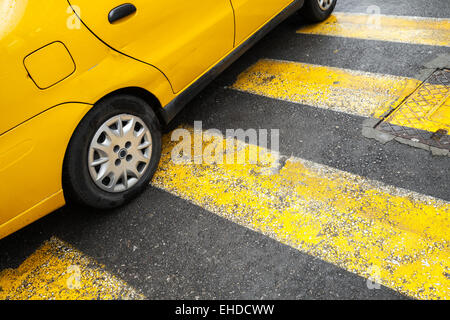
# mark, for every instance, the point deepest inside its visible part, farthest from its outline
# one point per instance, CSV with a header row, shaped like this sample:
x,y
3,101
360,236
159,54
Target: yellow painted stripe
x,y
56,271
343,90
415,30
398,237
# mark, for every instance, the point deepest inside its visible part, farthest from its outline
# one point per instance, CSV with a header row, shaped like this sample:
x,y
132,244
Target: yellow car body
x,y
59,57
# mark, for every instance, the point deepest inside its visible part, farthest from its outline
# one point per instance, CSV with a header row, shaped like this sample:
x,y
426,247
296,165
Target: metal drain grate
x,y
424,116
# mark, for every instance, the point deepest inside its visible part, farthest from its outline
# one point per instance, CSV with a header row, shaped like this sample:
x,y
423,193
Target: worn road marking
x,y
57,271
343,90
415,30
398,237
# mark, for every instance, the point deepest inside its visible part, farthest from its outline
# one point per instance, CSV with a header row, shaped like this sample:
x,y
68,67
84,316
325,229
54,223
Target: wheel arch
x,y
145,95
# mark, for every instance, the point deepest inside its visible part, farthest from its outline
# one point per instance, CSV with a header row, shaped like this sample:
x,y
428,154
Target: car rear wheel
x,y
317,10
113,153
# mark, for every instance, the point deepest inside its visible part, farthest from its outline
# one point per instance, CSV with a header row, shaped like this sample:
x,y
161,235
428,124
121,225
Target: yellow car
x,y
86,86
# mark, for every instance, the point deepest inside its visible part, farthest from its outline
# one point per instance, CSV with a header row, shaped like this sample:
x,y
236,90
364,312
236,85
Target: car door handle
x,y
121,12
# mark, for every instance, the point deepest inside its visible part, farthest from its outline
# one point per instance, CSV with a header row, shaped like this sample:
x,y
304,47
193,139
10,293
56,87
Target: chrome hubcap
x,y
325,4
119,153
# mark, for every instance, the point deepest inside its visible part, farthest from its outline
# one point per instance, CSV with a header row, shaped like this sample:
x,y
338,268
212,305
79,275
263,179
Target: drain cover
x,y
424,117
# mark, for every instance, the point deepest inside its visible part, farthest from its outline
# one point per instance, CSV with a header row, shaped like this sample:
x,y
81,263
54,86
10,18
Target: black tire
x,y
78,185
312,12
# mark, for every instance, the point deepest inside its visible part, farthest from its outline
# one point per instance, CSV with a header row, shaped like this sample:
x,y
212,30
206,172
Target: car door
x,y
252,14
181,38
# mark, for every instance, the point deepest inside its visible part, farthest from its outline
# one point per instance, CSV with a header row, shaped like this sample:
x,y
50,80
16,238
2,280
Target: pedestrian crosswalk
x,y
354,92
57,271
387,234
398,237
375,26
